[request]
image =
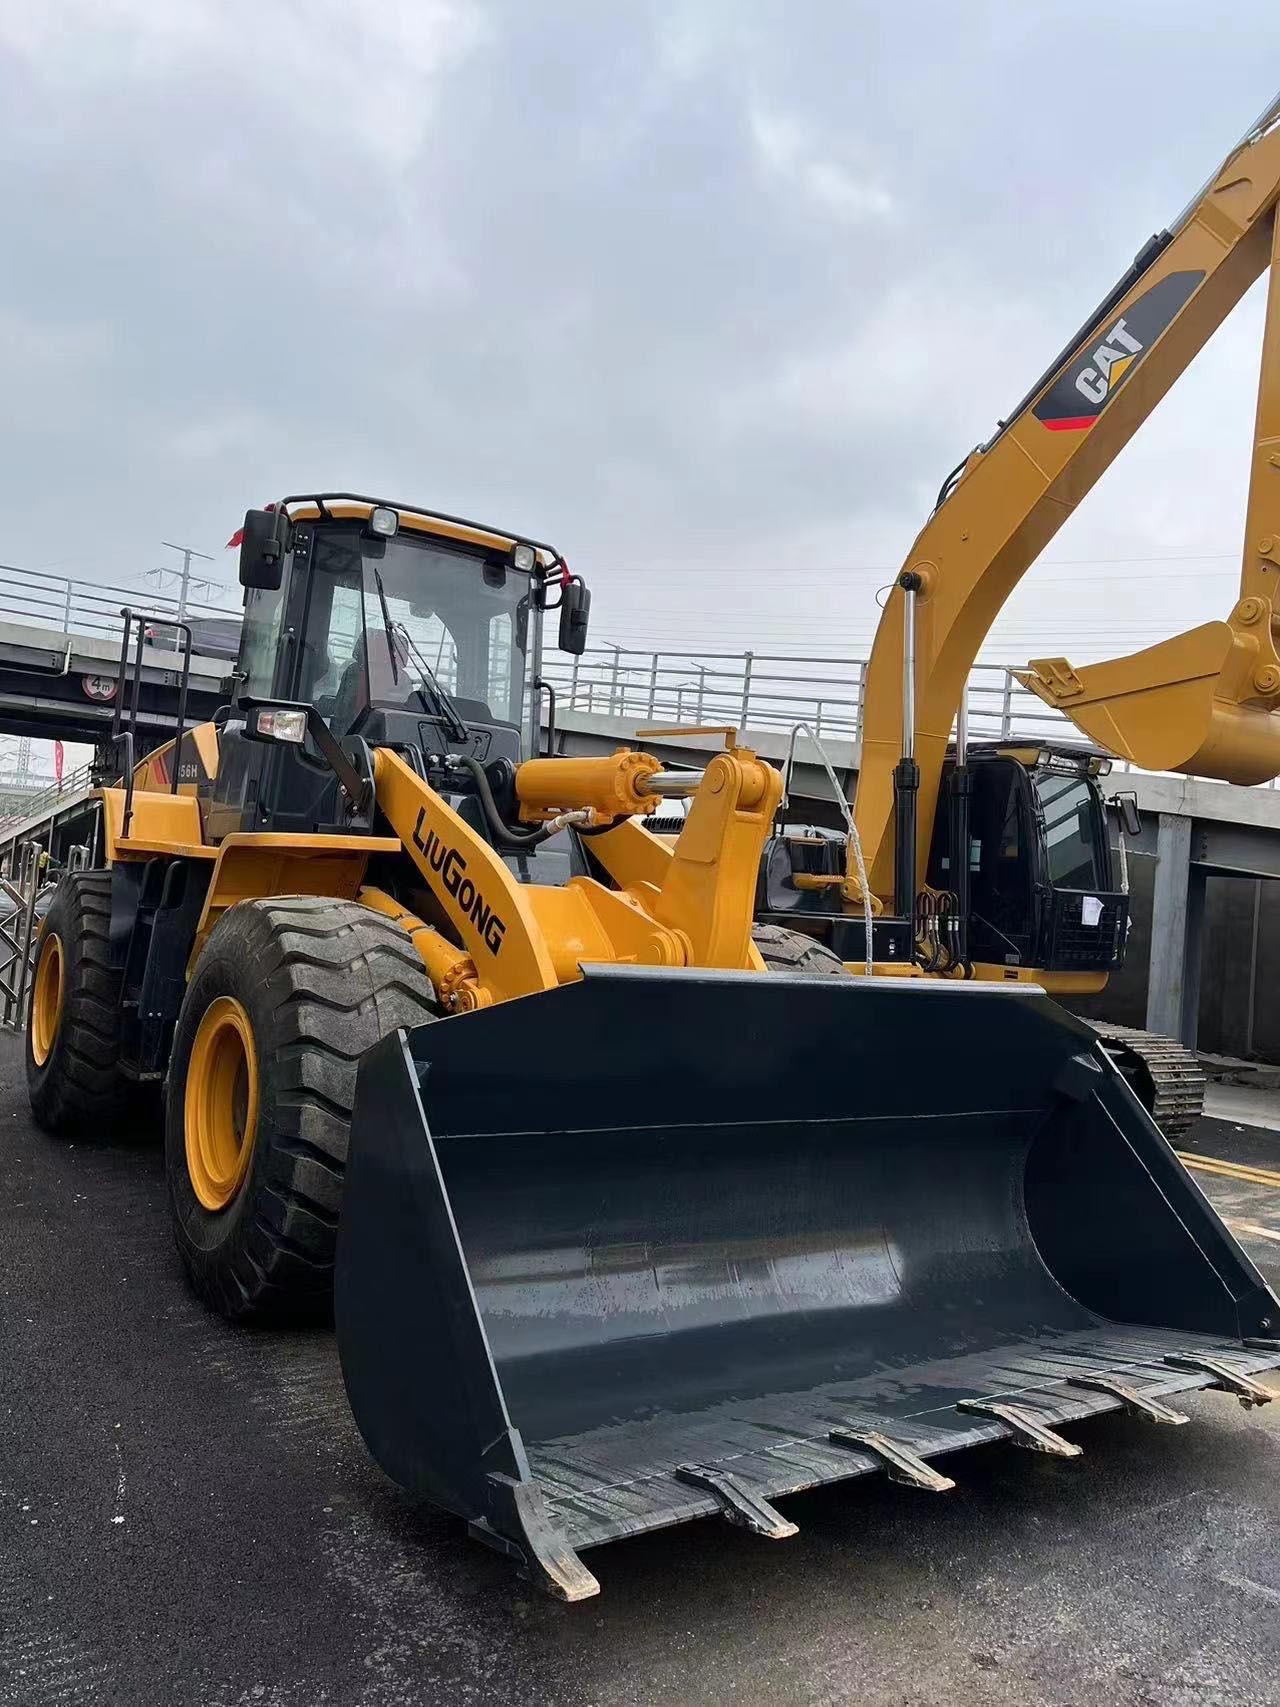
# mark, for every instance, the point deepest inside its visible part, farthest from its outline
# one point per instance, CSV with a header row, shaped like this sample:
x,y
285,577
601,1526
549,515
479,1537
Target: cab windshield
x,y
390,619
1070,812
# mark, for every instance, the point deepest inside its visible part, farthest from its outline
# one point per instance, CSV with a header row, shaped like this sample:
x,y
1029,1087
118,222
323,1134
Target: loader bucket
x,y
662,1245
1176,706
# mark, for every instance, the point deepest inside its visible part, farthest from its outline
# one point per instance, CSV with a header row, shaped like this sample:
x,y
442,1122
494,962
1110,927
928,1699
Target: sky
x,y
712,293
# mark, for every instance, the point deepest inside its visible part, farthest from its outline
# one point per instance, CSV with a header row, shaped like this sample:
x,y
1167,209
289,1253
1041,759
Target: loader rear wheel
x,y
73,1036
794,954
285,999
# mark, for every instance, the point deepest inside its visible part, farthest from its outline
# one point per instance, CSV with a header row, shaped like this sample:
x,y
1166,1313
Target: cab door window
x,y
260,639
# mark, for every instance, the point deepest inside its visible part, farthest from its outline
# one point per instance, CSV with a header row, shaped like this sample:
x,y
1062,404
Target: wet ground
x,y
188,1516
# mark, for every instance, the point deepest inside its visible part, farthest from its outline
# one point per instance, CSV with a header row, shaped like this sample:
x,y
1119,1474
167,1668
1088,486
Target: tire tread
x,y
334,978
79,1089
794,955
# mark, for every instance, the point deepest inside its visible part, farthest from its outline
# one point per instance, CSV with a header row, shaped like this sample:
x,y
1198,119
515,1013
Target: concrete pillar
x,y
1177,929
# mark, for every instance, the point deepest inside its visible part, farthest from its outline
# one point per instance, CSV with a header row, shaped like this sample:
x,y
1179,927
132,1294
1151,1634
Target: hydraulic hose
x,y
499,829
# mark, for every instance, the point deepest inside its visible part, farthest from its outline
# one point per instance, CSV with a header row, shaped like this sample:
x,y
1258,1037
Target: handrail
x,y
67,605
46,801
774,691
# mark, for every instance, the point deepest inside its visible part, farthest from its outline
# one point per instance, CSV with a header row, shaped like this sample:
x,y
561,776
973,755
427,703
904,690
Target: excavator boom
x,y
1205,702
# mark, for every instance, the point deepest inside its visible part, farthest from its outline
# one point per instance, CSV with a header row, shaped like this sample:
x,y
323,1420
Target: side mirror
x,y
1125,807
263,545
575,615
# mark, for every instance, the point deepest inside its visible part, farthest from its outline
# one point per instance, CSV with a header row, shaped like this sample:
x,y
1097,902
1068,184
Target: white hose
x,y
855,841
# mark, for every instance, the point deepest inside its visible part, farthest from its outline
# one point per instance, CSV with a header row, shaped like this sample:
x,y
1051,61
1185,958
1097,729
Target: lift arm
x,y
1204,702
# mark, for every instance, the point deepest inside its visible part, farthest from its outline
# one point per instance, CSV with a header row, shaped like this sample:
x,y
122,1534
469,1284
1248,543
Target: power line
x,y
781,570
183,575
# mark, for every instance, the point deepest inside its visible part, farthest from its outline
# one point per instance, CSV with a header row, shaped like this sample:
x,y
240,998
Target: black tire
x,y
77,1089
320,982
794,954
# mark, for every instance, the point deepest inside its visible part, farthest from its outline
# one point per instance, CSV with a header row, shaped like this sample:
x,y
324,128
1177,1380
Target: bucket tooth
x,y
1026,1429
1141,1404
901,1463
1246,1389
550,1561
739,1503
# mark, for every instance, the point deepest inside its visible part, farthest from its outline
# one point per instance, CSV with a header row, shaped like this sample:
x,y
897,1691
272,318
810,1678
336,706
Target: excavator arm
x,y
1204,702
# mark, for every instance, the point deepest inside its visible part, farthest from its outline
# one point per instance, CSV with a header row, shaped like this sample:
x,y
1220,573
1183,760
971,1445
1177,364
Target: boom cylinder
x,y
906,776
616,787
959,804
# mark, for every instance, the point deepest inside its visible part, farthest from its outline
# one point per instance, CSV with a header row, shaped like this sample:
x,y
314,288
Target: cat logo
x,y
1088,380
1111,361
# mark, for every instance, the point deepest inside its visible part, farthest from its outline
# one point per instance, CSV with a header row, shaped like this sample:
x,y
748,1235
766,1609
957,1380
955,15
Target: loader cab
x,y
401,628
1043,891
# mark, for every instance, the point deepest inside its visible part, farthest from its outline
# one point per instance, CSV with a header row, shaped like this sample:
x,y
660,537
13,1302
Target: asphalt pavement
x,y
187,1515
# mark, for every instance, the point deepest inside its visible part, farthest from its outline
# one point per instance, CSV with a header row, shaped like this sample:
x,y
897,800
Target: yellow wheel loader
x,y
622,1230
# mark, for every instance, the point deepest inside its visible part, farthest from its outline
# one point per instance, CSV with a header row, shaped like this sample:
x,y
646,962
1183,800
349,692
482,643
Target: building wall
x,y
1224,972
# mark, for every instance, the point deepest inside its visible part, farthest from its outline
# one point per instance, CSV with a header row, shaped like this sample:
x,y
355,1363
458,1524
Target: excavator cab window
x,y
1073,826
1001,879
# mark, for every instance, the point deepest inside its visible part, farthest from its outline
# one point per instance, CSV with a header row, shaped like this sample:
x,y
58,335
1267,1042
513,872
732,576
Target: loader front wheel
x,y
284,1000
794,954
73,1035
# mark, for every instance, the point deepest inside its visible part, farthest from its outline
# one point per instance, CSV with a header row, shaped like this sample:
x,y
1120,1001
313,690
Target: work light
x,y
273,725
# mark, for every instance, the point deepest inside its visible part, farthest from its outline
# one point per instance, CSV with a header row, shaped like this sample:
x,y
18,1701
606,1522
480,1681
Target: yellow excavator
x,y
620,1230
992,861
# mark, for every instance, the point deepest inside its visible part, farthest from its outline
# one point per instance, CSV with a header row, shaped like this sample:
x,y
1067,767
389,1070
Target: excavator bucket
x,y
1205,703
663,1245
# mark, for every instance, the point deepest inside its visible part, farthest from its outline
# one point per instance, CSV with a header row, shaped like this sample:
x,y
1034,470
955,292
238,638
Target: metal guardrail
x,y
767,690
44,802
763,690
754,690
37,598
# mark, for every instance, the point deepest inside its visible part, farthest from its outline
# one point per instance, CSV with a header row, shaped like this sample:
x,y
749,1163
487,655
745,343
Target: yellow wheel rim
x,y
46,999
220,1106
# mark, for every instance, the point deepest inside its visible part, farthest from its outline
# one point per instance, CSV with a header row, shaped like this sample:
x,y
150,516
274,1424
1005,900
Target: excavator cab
x,y
1043,888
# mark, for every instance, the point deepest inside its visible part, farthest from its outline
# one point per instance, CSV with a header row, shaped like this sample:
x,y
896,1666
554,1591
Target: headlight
x,y
281,725
383,521
524,557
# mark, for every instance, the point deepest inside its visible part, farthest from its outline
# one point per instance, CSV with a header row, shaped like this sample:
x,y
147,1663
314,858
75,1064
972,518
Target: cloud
x,y
712,294
365,73
789,153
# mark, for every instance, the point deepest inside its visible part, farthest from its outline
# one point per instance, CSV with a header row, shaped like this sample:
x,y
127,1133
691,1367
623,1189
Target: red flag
x,y
237,537
57,761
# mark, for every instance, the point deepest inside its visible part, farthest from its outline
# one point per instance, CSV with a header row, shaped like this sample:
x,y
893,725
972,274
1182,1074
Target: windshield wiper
x,y
445,707
386,623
